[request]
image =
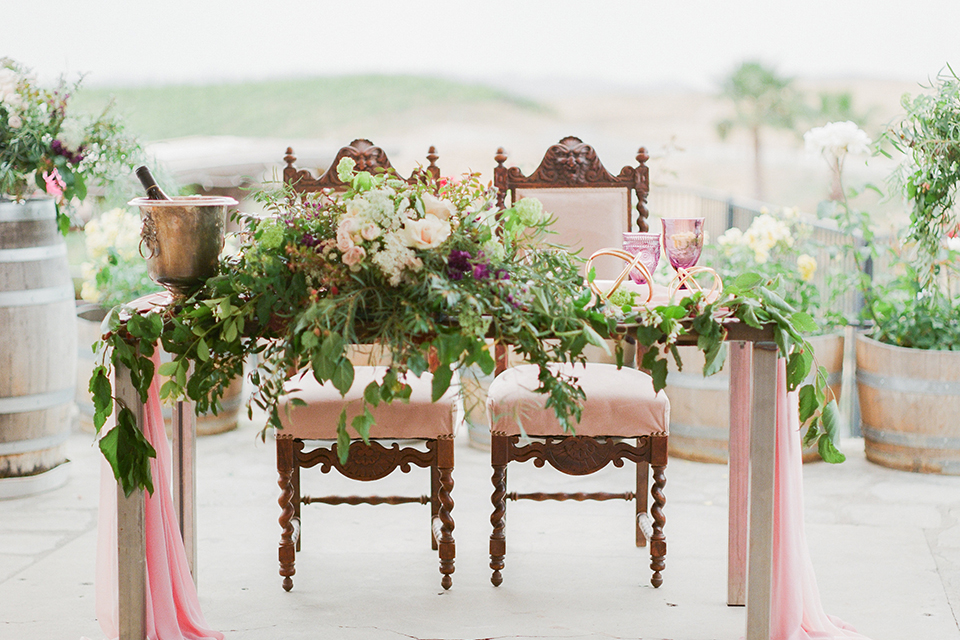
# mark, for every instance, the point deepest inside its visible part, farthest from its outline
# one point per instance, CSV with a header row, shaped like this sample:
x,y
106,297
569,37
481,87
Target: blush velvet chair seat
x,y
419,433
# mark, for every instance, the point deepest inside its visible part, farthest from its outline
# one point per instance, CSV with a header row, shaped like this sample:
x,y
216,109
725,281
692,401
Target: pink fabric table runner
x,y
173,608
796,611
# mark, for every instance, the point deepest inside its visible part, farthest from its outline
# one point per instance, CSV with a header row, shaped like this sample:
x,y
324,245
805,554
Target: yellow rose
x,y
807,266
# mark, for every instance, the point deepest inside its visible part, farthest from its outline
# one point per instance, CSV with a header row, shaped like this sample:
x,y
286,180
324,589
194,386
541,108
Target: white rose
x,y
14,121
433,206
426,233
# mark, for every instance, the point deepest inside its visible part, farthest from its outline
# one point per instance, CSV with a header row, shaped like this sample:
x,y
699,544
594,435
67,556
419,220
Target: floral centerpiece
x,y
46,148
432,273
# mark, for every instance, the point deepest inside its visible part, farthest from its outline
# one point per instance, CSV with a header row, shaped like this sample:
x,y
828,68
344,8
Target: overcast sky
x,y
637,43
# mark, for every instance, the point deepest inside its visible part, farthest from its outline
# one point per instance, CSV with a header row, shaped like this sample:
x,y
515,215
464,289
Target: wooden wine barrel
x,y
909,406
700,406
38,347
89,317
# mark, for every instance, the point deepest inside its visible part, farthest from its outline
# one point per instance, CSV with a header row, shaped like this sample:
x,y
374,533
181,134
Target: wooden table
x,y
753,375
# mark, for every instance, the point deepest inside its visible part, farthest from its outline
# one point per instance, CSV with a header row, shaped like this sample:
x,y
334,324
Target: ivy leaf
x,y
811,436
343,376
102,394
657,369
441,382
203,351
747,280
169,369
828,451
808,402
714,358
343,438
371,394
129,453
804,322
362,424
798,366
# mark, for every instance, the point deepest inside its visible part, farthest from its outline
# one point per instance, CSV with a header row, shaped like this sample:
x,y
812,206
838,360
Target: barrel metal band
x,y
37,444
37,401
29,254
909,385
27,211
721,382
46,295
909,440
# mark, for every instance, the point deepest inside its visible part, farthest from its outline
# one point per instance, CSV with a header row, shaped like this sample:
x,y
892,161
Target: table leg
x,y
184,427
739,470
762,465
131,535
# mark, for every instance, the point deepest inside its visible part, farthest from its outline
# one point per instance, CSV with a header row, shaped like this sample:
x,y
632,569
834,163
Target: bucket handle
x,y
148,235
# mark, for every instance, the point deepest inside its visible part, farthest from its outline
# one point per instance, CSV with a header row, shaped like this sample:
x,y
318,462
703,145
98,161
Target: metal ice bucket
x,y
181,239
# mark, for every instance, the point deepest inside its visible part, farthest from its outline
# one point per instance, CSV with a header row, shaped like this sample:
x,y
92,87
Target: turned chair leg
x,y
434,502
448,551
658,542
498,539
289,524
643,474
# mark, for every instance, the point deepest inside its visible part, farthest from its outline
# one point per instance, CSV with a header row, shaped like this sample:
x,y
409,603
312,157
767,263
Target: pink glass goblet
x,y
647,245
682,241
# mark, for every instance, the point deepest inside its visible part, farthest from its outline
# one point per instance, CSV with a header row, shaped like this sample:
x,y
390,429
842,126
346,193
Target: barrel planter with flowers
x,y
909,406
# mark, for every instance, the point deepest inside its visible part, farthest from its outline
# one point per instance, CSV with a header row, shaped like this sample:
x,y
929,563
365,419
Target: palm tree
x,y
760,99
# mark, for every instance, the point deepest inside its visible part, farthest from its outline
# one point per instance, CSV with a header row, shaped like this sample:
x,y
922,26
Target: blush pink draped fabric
x,y
173,609
796,610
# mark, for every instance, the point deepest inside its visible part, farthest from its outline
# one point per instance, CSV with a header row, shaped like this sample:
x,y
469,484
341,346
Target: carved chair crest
x,y
572,163
368,157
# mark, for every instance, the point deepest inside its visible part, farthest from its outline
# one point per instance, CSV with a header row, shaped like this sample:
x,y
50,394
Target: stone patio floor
x,y
885,546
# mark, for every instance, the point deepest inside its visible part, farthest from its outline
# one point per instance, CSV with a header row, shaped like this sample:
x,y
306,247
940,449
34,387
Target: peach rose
x,y
433,206
427,233
354,256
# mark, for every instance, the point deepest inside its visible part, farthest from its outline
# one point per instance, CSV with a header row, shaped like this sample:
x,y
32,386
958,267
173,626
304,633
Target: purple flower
x,y
481,271
458,264
309,240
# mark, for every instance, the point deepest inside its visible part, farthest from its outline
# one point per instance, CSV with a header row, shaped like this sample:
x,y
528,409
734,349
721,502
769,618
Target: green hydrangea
x,y
270,234
529,211
345,169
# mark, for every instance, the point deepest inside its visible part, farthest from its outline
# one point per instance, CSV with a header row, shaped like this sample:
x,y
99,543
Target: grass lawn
x,y
293,108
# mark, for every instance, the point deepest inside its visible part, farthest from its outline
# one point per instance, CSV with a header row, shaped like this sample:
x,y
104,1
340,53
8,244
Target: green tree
x,y
761,99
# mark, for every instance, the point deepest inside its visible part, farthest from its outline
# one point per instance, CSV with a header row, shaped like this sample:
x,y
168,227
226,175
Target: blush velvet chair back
x,y
418,433
623,418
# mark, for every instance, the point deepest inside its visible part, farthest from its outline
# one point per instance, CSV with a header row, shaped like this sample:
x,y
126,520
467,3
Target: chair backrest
x,y
368,157
592,207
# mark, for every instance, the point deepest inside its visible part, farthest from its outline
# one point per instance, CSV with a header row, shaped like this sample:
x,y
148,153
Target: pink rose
x,y
354,256
55,183
426,233
370,232
345,234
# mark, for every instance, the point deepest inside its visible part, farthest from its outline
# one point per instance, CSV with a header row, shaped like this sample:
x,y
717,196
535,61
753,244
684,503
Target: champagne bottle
x,y
154,192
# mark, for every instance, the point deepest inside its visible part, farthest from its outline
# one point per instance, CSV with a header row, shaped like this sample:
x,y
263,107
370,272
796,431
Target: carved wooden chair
x,y
623,419
419,433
